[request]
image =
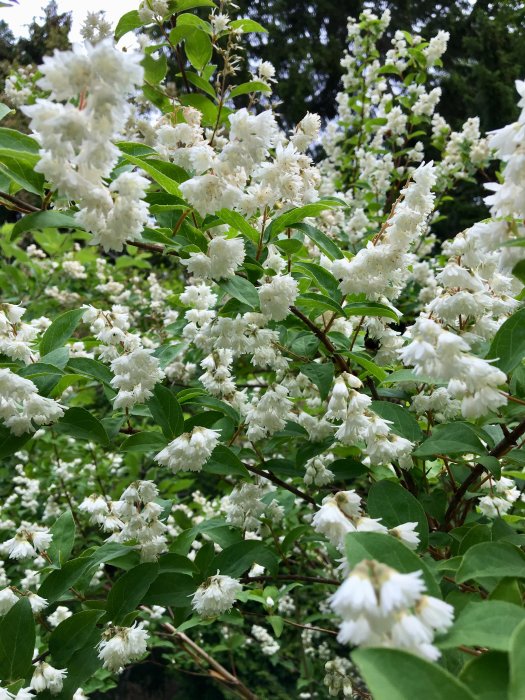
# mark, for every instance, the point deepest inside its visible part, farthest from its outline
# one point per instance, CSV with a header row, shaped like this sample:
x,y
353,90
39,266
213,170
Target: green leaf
x,y
407,375
367,364
322,375
517,663
72,634
63,531
238,222
508,345
487,676
5,110
296,215
198,49
20,167
199,82
325,244
165,174
370,308
82,424
491,559
9,443
60,330
127,593
127,23
17,641
451,439
205,106
247,25
395,505
224,461
392,674
241,289
390,551
16,141
320,303
166,412
235,560
489,623
182,5
248,88
154,70
91,368
144,442
324,279
402,422
60,580
171,589
41,220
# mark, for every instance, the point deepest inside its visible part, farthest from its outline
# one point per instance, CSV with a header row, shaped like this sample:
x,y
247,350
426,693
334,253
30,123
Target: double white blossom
x,y
381,607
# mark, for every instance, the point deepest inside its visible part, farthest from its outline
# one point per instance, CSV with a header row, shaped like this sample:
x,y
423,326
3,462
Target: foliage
x,y
255,424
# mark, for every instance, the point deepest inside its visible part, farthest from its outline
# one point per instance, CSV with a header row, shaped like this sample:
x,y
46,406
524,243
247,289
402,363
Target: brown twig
x,y
18,202
279,482
498,451
218,671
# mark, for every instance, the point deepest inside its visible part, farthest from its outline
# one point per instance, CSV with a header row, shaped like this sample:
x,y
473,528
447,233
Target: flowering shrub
x,y
256,422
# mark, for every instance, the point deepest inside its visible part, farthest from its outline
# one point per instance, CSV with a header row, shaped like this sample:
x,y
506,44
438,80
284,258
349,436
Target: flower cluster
x,y
343,513
381,607
77,152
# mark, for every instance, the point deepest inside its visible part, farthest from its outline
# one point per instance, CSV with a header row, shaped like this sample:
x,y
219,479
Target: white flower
x,y
400,590
354,595
37,602
189,451
135,376
277,296
7,600
59,615
406,532
46,677
381,607
121,645
216,595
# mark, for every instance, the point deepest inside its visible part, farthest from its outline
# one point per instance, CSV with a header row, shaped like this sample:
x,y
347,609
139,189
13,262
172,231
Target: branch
x,y
338,359
18,202
220,672
279,482
498,451
151,247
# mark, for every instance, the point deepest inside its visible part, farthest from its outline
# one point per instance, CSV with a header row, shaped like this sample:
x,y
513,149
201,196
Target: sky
x,y
19,16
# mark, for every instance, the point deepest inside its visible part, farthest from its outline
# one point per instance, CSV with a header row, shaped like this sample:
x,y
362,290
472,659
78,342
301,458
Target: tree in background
x,y
307,40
